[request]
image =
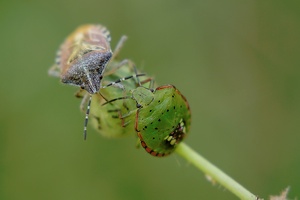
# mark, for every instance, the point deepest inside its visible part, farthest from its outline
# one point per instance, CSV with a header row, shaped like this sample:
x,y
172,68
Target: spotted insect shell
x,y
165,122
83,57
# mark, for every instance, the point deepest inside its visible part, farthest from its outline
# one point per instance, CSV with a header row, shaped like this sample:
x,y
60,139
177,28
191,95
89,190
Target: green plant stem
x,y
215,173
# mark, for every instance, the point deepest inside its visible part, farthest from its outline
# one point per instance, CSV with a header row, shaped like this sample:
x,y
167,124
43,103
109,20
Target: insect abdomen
x,y
165,122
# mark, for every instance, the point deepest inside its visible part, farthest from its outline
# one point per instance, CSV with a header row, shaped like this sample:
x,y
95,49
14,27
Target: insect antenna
x,y
151,80
123,79
151,85
116,99
102,96
87,118
137,78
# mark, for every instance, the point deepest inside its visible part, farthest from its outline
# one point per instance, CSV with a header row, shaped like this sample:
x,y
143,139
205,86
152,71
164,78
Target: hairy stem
x,y
215,173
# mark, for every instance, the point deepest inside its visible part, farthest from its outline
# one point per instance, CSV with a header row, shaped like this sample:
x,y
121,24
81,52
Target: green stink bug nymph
x,y
161,119
163,123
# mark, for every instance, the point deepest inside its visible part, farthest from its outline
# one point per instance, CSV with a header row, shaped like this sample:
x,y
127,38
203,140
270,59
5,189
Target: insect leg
x,y
102,96
121,64
115,83
87,116
119,98
54,71
140,83
80,93
121,116
151,86
135,72
119,47
84,101
118,66
138,142
150,81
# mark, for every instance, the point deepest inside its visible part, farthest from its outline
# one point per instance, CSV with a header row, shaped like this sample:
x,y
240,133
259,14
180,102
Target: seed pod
x,y
110,120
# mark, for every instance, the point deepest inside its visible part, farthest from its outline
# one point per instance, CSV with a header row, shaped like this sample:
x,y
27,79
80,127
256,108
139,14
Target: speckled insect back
x,y
163,121
82,60
162,117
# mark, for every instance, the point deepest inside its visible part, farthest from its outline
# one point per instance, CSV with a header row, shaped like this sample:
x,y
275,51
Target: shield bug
x,y
163,121
162,118
82,60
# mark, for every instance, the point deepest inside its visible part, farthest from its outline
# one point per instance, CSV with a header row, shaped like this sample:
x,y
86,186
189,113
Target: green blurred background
x,y
236,62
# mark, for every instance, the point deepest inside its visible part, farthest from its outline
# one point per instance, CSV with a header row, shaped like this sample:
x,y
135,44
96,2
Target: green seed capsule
x,y
109,120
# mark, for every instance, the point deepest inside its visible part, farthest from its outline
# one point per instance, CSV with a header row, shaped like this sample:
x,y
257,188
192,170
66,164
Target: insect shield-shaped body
x,y
163,119
82,59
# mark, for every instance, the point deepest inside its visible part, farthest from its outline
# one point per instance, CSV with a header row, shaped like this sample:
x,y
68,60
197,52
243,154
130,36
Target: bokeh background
x,y
236,62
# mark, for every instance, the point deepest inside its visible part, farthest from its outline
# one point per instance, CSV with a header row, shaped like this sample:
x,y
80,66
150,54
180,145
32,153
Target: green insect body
x,y
161,117
163,120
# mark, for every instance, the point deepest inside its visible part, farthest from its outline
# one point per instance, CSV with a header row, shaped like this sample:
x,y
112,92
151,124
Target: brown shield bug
x,y
82,59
